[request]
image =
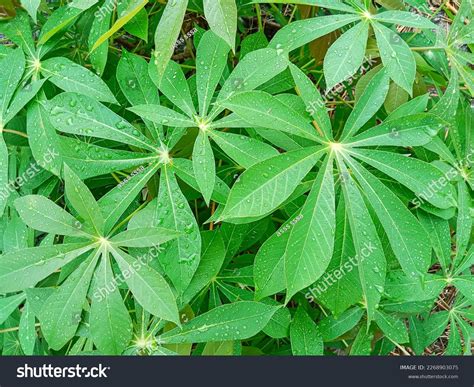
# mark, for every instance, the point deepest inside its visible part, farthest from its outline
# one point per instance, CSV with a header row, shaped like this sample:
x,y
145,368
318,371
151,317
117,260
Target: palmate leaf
x,y
394,328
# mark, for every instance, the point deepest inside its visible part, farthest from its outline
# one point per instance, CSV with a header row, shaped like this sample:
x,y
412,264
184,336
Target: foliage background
x,y
226,177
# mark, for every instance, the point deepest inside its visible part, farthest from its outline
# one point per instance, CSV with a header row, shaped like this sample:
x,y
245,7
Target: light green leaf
x,y
237,321
9,304
204,165
110,322
369,252
407,19
213,255
396,56
27,330
249,74
175,87
163,116
393,328
417,175
301,32
144,237
252,197
77,114
148,287
23,269
368,104
413,130
331,328
61,313
314,232
125,16
313,101
222,18
211,60
408,239
180,258
166,34
42,214
82,200
304,335
264,110
245,151
72,77
346,55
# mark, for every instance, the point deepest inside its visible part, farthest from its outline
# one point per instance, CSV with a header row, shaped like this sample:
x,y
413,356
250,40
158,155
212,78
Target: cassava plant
x,y
236,177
